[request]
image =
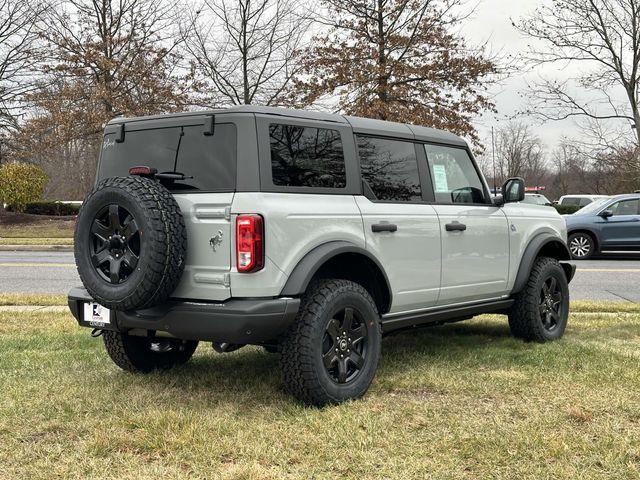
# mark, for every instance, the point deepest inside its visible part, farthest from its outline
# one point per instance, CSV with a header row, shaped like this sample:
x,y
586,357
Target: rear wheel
x,y
541,310
581,246
144,354
331,352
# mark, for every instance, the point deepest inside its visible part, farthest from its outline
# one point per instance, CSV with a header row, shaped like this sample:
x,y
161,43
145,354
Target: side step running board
x,y
442,315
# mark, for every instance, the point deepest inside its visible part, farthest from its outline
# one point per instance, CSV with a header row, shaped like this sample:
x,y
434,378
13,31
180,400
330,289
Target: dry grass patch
x,y
460,401
32,299
36,241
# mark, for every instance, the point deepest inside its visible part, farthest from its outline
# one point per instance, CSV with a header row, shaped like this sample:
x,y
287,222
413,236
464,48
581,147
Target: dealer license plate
x,y
96,314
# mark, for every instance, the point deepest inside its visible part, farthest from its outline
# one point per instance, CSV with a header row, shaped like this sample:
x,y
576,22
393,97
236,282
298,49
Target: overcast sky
x,y
492,22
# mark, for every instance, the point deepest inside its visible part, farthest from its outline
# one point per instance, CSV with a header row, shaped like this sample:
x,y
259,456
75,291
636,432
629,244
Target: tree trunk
x,y
382,63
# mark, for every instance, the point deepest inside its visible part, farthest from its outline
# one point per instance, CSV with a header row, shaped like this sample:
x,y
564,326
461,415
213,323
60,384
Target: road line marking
x,y
56,265
633,270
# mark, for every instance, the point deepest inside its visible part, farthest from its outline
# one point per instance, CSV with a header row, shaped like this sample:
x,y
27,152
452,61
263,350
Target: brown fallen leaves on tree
x,y
398,60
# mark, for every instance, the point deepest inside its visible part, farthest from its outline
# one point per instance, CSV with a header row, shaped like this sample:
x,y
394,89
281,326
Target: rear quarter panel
x,y
294,225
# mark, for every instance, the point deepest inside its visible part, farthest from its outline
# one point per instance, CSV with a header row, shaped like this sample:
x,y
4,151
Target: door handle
x,y
384,227
455,227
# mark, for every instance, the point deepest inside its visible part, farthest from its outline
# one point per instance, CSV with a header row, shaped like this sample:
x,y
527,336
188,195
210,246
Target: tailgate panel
x,y
206,274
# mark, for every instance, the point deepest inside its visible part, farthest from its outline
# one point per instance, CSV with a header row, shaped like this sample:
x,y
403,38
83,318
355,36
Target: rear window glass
x,y
306,157
390,168
209,160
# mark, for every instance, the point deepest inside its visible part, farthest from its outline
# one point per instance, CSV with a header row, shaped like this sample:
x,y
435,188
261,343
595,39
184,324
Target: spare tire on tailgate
x,y
130,243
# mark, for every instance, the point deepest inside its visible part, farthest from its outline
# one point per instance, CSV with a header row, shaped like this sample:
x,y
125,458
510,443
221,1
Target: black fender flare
x,y
531,252
309,264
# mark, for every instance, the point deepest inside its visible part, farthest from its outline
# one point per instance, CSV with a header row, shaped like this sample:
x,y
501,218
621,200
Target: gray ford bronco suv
x,y
307,233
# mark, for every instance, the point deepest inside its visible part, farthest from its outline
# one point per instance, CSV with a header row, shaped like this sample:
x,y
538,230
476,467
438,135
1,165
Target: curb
x,y
36,248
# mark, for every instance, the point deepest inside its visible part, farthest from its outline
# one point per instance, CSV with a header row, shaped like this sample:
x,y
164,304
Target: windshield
x,y
593,207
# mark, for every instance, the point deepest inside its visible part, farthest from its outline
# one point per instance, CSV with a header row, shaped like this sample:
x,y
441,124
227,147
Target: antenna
x,y
493,156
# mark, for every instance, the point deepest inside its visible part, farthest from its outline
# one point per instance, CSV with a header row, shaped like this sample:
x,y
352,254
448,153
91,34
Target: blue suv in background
x,y
606,224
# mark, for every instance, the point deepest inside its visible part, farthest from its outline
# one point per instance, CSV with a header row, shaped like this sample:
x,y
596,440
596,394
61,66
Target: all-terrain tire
x,y
526,317
161,241
144,354
303,370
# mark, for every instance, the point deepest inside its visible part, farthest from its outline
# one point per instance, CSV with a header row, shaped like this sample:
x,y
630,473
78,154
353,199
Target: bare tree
x,y
118,54
17,35
519,153
243,50
98,59
603,36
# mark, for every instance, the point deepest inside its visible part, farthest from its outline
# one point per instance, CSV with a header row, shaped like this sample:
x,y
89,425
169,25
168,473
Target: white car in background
x,y
579,200
536,199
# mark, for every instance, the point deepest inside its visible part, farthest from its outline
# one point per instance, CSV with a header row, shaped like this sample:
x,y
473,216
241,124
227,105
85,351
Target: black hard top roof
x,y
367,126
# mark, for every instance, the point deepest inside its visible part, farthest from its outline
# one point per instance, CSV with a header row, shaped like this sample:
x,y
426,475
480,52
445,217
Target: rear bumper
x,y
233,321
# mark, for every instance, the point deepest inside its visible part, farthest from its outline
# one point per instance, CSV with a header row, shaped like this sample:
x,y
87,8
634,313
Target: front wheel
x,y
144,354
331,352
581,246
541,309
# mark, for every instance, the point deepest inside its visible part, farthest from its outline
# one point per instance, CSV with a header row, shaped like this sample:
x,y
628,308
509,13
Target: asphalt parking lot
x,y
614,277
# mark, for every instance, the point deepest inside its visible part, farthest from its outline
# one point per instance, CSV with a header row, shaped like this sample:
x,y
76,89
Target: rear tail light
x,y
249,243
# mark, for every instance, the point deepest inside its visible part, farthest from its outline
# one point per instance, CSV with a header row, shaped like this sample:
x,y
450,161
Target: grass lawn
x,y
23,229
459,401
32,299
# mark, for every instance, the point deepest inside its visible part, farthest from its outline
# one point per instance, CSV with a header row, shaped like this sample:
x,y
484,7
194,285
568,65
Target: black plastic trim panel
x,y
442,315
234,321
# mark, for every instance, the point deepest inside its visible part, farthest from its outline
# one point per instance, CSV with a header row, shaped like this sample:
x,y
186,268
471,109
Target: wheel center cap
x,y
343,344
116,243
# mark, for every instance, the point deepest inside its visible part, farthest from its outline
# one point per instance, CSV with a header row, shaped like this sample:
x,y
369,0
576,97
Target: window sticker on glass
x,y
440,178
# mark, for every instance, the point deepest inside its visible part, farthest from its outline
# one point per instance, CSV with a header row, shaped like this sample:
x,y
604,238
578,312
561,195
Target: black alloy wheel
x,y
330,353
551,304
540,310
344,346
115,243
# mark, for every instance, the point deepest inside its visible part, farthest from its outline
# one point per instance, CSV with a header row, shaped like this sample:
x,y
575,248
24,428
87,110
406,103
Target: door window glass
x,y
625,207
306,157
455,179
390,169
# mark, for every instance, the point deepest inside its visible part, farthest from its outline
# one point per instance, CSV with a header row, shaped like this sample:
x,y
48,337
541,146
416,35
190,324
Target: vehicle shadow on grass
x,y
251,376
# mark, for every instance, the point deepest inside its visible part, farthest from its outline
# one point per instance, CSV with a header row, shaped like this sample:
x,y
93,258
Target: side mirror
x,y
606,213
513,190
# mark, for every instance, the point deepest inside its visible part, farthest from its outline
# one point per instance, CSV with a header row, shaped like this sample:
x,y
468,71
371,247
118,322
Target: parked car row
x,y
601,223
606,224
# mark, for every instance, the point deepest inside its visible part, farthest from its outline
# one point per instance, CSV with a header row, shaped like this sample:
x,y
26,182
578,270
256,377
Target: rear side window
x,y
571,201
306,157
585,201
455,179
209,160
390,169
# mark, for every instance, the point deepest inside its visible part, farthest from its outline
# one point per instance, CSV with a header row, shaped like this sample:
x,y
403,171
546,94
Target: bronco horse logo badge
x,y
216,240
